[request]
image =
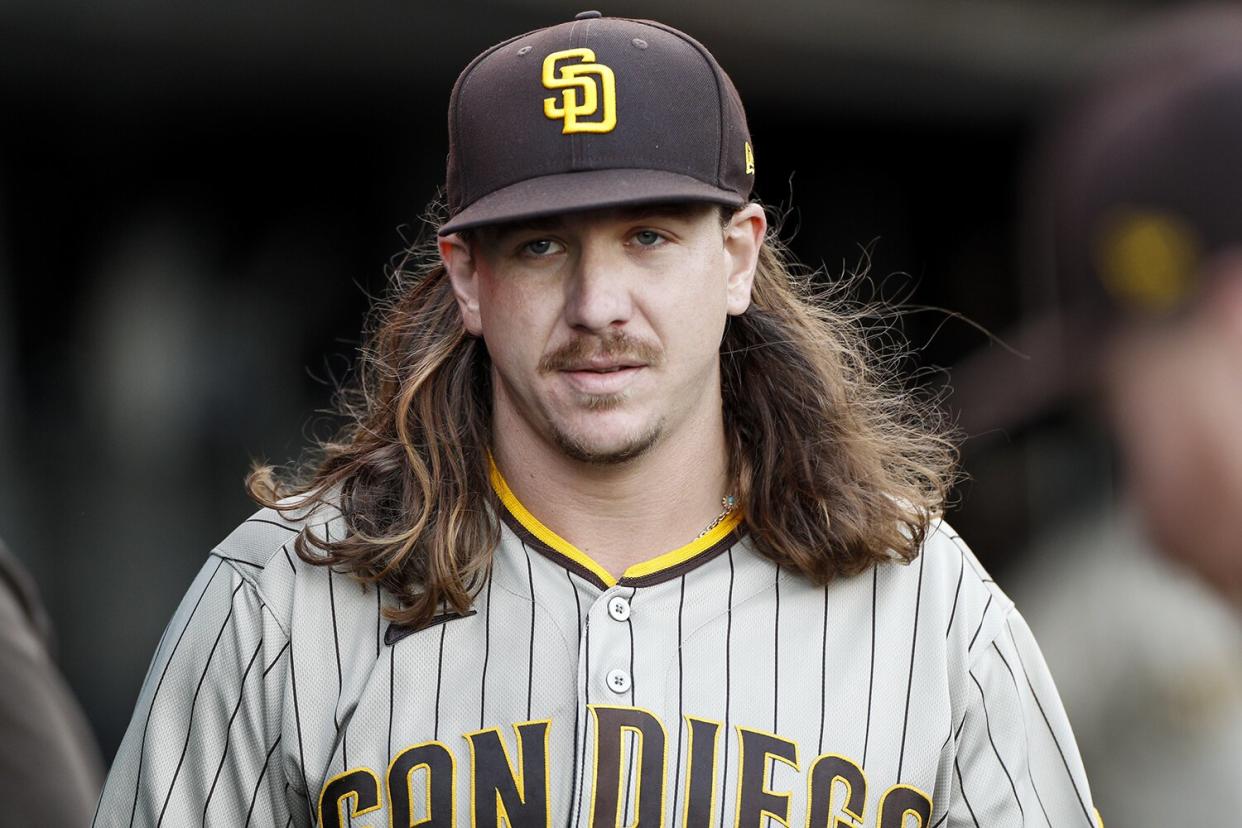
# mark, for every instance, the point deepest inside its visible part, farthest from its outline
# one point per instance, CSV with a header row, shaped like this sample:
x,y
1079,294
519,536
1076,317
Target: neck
x,y
625,513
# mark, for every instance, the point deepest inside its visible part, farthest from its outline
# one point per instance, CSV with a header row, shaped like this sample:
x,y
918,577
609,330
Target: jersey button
x,y
618,681
618,608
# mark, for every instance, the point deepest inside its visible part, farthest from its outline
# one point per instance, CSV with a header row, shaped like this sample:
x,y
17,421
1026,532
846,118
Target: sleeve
x,y
1016,761
204,745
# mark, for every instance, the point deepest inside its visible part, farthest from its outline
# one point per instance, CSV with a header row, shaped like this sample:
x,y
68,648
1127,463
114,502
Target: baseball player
x,y
625,530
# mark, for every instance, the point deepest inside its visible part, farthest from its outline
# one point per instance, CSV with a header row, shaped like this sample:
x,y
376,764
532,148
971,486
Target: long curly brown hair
x,y
837,464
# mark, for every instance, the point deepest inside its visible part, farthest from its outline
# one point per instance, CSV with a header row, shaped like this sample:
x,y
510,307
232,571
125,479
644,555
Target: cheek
x,y
705,308
515,326
691,330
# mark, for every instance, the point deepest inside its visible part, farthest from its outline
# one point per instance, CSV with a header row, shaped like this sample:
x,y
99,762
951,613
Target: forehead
x,y
678,211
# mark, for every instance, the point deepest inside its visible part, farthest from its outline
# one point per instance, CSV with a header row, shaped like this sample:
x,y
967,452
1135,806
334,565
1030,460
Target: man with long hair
x,y
626,525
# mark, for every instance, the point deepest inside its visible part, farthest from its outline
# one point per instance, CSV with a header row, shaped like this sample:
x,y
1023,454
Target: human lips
x,y
602,376
602,366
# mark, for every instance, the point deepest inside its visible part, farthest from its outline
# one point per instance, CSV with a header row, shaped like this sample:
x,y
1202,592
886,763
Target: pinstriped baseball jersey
x,y
708,687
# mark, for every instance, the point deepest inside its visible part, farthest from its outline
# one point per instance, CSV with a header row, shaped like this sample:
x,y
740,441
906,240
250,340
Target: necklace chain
x,y
729,503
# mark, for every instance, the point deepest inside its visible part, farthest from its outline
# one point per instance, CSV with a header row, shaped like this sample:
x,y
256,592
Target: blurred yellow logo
x,y
586,88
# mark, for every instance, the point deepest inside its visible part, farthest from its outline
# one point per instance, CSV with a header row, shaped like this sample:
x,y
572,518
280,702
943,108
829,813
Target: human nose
x,y
598,294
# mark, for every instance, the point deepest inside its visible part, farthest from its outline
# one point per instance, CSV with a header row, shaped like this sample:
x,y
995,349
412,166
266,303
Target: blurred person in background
x,y
1137,603
50,768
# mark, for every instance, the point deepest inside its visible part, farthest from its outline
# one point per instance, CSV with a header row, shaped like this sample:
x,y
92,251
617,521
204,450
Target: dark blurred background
x,y
196,202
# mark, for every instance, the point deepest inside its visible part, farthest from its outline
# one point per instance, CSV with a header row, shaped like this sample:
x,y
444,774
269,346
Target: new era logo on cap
x,y
596,112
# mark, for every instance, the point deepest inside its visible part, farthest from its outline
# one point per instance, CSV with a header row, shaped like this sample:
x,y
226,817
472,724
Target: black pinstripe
x,y
530,668
573,791
392,692
1029,774
979,629
340,680
914,640
776,654
439,680
269,667
1051,733
292,529
238,560
956,594
974,567
962,787
823,675
987,725
258,783
681,698
340,676
875,587
228,731
629,623
487,647
297,720
586,700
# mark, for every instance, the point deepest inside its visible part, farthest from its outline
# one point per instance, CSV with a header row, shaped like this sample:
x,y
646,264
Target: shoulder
x,y
946,554
262,550
951,588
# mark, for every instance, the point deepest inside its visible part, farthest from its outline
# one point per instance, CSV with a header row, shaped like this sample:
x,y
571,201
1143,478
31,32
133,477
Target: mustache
x,y
617,346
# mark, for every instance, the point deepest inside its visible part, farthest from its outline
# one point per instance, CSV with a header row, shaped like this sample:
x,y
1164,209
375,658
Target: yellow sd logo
x,y
587,87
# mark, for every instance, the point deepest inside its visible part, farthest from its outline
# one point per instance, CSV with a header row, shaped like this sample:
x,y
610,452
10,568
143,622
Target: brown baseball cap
x,y
1135,195
596,112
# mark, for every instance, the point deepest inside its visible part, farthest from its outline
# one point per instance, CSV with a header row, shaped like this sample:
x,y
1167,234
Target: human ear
x,y
743,238
462,268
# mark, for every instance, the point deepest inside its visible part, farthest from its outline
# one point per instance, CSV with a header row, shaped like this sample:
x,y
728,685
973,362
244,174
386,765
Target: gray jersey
x,y
708,687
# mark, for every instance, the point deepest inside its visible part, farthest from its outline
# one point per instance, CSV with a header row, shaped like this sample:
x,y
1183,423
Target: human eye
x,y
538,248
648,238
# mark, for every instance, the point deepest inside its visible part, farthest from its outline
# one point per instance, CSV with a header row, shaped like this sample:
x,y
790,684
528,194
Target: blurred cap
x,y
595,112
1138,188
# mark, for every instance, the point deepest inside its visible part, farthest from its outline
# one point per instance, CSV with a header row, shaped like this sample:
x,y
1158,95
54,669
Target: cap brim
x,y
1028,372
586,190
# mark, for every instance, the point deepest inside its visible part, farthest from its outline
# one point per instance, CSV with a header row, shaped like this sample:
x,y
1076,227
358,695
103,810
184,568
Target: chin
x,y
594,448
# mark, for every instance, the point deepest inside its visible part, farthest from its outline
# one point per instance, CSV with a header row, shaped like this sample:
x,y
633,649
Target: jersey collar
x,y
654,570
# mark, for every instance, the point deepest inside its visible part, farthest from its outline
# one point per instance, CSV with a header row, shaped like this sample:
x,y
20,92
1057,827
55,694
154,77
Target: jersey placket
x,y
607,711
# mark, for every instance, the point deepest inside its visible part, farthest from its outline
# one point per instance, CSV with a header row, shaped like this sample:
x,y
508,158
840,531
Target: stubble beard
x,y
578,447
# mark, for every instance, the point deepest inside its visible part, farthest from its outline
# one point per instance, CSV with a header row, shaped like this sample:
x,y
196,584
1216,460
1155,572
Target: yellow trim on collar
x,y
543,533
684,553
648,567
